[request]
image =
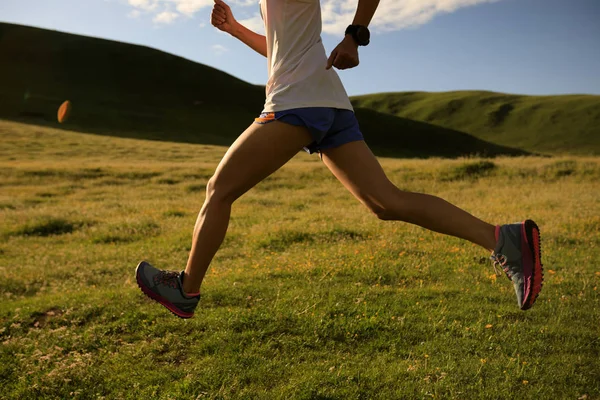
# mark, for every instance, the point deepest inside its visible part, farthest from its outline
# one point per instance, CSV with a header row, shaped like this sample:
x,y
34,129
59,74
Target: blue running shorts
x,y
329,127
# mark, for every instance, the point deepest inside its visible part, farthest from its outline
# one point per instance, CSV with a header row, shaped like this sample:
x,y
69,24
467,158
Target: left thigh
x,y
256,154
355,166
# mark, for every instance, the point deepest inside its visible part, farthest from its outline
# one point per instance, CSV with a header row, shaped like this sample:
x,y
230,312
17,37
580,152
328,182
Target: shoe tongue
x,y
180,279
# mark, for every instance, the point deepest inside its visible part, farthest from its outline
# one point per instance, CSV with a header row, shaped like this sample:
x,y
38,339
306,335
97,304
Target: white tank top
x,y
296,58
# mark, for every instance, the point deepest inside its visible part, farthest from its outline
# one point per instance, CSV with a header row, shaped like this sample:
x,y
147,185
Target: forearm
x,y
250,38
364,12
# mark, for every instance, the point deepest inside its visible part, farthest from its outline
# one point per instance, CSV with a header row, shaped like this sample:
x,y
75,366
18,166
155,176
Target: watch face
x,y
363,35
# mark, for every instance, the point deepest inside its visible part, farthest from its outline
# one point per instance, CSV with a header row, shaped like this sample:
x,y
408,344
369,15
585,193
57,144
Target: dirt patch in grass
x,y
41,319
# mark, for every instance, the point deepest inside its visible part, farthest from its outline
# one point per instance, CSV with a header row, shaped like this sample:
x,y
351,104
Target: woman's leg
x,y
359,171
256,154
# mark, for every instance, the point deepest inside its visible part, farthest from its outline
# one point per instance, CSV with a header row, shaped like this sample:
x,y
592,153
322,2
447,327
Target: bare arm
x,y
252,39
222,19
345,55
365,11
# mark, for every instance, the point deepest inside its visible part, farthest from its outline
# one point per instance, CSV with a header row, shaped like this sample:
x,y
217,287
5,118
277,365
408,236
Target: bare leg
x,y
359,171
256,154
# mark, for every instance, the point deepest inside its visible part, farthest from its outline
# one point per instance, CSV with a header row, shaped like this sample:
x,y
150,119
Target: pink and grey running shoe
x,y
166,288
519,254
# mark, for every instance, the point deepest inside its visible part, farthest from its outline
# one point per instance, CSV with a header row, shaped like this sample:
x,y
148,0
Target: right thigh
x,y
258,152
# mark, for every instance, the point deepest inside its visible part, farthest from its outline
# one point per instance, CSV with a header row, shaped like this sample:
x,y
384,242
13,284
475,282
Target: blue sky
x,y
513,46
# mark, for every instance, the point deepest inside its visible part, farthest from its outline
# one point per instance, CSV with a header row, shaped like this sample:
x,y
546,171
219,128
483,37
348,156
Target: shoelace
x,y
499,264
167,278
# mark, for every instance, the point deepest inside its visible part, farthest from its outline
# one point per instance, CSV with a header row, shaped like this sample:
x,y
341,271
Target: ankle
x,y
188,288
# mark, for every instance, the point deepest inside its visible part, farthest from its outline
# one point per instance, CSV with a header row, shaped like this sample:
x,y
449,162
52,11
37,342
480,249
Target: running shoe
x,y
166,288
518,254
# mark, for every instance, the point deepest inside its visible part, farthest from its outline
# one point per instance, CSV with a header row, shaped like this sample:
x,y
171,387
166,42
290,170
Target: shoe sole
x,y
531,232
159,299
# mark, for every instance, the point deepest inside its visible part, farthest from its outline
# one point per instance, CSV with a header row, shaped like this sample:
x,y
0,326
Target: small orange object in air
x,y
64,111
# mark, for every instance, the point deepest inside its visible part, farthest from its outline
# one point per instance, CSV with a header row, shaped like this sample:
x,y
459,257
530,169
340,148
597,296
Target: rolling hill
x,y
128,90
119,89
547,124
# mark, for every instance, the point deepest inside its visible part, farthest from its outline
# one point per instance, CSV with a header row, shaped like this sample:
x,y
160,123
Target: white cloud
x,y
146,5
134,14
254,23
244,3
391,15
191,7
219,49
165,17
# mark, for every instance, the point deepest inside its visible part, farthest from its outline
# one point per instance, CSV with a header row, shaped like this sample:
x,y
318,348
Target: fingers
x,y
347,64
341,61
331,59
219,15
344,56
216,20
223,6
221,3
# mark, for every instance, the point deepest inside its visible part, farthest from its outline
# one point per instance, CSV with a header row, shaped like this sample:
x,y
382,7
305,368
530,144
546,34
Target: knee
x,y
385,214
217,193
392,205
380,210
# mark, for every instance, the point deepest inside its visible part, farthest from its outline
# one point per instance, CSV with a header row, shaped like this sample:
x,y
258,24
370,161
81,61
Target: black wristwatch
x,y
359,33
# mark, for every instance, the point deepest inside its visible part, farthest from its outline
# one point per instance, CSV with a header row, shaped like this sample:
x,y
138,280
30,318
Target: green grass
x,y
539,124
310,297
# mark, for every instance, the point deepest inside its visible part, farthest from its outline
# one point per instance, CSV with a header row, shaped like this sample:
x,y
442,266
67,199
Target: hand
x,y
345,55
222,17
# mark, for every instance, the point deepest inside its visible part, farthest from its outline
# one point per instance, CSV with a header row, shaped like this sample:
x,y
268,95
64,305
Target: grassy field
x,y
310,297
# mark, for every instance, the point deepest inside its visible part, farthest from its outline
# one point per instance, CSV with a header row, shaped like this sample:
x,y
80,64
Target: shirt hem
x,y
291,106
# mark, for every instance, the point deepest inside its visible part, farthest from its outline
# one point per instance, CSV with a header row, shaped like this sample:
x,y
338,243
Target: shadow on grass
x,y
126,232
386,134
392,136
281,241
49,226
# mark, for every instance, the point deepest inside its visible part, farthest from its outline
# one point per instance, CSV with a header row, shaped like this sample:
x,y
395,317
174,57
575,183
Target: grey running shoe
x,y
166,288
518,253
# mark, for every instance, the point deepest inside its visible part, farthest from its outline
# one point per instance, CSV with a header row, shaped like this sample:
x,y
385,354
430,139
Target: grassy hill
x,y
134,91
119,88
554,124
